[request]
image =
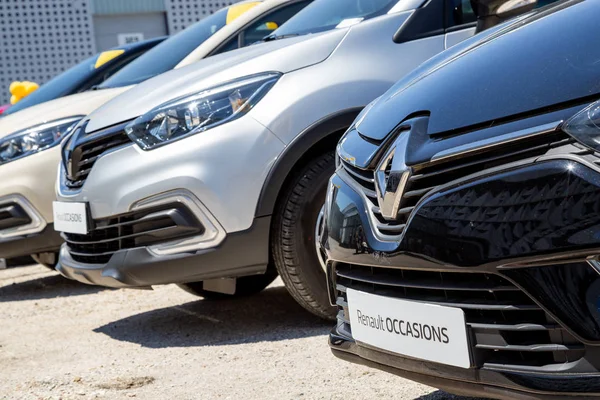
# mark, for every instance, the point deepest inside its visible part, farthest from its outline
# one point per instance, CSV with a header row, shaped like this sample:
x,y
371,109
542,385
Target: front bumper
x,y
472,383
515,248
47,240
210,182
240,254
26,195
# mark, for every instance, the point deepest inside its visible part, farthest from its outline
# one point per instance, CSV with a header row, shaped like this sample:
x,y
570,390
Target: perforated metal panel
x,y
183,13
41,38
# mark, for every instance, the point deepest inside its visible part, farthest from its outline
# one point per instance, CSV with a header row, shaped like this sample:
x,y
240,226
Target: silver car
x,y
29,139
213,176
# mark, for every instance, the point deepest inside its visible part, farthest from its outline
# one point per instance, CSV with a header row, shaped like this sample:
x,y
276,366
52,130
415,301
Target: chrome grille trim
x,y
448,168
131,230
370,199
496,141
514,333
86,149
36,224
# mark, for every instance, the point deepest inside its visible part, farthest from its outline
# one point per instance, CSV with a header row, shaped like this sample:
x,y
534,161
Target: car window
x,y
110,70
61,85
231,44
459,12
323,15
263,27
81,77
169,53
267,24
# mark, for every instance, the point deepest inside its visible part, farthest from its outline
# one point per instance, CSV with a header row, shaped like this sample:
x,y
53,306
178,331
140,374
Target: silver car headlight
x,y
199,112
35,139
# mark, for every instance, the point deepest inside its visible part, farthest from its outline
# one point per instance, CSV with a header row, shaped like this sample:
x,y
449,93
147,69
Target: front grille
x,y
141,228
428,176
88,149
364,178
506,328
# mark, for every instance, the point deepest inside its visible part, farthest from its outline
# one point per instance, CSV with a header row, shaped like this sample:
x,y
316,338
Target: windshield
x,y
169,53
323,15
60,86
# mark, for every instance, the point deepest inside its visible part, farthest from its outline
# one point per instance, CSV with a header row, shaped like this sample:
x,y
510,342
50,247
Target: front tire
x,y
244,286
293,239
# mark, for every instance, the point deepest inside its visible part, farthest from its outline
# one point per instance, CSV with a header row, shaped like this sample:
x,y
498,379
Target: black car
x,y
474,183
86,75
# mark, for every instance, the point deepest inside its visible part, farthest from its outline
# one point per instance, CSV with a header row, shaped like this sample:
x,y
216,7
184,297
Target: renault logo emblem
x,y
69,148
391,177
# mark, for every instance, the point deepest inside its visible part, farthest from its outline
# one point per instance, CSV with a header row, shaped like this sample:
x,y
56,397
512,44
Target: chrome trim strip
x,y
37,224
373,222
496,141
390,189
213,233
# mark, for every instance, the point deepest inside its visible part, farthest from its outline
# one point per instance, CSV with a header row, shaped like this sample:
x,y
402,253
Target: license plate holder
x,y
424,331
71,217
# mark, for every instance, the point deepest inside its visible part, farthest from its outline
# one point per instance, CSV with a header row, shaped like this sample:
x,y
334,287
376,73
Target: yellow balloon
x,y
14,99
30,87
12,86
19,90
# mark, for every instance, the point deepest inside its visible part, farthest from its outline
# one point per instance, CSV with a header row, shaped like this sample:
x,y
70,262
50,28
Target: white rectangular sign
x,y
70,217
424,331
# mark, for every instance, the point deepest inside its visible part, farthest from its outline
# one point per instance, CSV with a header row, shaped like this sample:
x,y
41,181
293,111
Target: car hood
x,y
69,106
541,60
283,56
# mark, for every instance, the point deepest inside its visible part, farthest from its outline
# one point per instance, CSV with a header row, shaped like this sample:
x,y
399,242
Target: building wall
x,y
108,7
183,13
41,38
108,27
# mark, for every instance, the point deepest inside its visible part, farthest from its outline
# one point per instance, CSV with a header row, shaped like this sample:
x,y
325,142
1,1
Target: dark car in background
x,y
85,75
472,189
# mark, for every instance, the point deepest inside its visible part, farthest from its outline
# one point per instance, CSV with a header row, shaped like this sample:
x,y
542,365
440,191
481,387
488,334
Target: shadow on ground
x,y
439,395
45,288
271,315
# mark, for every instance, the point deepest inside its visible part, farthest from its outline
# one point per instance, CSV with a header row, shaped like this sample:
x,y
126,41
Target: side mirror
x,y
493,12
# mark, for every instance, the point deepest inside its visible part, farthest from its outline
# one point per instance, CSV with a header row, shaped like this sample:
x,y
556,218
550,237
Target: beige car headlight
x,y
35,139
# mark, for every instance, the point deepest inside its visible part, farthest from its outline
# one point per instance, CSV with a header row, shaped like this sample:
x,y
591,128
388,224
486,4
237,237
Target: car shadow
x,y
440,395
271,315
45,288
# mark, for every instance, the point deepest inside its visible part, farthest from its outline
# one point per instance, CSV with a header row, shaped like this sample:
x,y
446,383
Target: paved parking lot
x,y
63,340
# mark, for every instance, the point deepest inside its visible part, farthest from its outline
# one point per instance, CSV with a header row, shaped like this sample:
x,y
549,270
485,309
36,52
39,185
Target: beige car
x,y
29,139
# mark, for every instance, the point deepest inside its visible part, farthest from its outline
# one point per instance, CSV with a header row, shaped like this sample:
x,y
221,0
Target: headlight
x,y
199,112
32,140
585,126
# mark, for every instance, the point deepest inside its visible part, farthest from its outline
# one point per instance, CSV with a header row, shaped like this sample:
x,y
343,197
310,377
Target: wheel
x,y
294,241
48,260
244,286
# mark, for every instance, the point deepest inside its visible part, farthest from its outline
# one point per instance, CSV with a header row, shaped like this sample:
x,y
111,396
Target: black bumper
x,y
473,382
523,239
240,254
46,241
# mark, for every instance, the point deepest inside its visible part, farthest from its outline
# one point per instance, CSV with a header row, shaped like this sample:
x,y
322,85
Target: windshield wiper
x,y
270,38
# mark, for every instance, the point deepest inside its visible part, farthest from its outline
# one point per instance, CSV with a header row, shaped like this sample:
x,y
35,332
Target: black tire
x,y
244,286
293,236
